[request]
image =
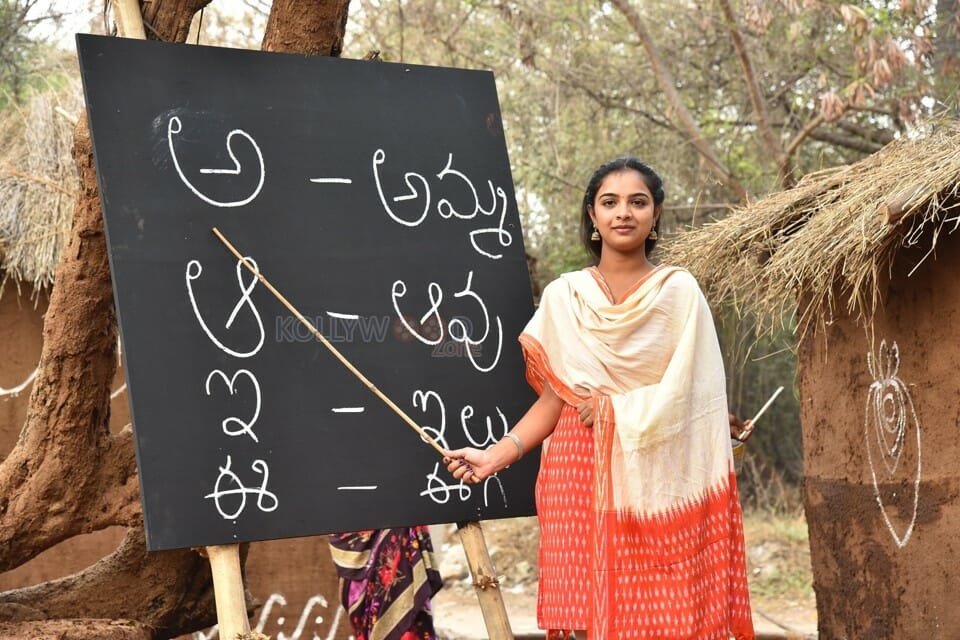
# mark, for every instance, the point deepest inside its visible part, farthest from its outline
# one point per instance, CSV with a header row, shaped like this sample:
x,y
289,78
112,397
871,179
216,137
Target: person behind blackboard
x,y
387,578
641,527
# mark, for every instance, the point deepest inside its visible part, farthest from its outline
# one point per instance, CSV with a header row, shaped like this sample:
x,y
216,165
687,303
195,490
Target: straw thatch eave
x,y
37,184
830,241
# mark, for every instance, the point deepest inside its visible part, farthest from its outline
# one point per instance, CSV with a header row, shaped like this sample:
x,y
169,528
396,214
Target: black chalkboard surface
x,y
377,198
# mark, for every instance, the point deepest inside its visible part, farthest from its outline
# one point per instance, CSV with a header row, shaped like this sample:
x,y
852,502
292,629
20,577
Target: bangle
x,y
517,442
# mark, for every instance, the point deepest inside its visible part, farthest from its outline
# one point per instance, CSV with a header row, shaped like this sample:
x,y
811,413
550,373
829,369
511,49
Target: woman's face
x,y
624,212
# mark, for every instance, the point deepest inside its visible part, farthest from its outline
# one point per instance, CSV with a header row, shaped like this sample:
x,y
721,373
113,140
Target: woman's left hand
x,y
740,429
585,409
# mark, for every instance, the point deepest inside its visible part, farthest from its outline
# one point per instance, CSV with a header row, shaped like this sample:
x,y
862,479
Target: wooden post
x,y
485,581
224,559
129,20
228,591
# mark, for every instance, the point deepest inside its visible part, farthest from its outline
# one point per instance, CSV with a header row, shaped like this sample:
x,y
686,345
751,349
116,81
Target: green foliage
x,y
756,366
578,85
27,62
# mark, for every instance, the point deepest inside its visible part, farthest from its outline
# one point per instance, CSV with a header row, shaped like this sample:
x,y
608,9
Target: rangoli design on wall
x,y
892,433
305,625
15,391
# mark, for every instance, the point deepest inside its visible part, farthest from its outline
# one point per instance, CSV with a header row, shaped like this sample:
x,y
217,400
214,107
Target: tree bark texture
x,y
317,32
169,592
67,475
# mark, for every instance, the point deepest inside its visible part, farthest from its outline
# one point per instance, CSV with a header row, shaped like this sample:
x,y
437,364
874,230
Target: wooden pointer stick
x,y
753,420
329,346
750,424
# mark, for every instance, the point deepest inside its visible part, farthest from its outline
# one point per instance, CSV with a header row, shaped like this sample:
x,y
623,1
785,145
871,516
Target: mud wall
x,y
880,409
294,580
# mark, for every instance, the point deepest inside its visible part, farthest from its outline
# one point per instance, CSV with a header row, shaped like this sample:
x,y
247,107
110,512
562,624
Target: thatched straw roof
x,y
37,182
832,237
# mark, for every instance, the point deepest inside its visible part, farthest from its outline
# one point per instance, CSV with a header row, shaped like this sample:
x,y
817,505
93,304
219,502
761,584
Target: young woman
x,y
641,528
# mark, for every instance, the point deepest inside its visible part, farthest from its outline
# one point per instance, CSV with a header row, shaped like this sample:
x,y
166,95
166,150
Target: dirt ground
x,y
778,568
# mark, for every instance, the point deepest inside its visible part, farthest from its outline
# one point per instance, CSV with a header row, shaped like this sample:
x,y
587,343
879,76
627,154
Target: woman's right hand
x,y
469,464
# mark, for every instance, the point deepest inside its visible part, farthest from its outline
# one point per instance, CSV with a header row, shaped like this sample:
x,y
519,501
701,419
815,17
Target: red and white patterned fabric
x,y
641,528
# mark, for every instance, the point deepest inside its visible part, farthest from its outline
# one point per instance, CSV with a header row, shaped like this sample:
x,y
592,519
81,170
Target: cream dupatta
x,y
656,358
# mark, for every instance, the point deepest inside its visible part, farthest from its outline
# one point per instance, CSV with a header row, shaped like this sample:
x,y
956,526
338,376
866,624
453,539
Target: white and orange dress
x,y
641,527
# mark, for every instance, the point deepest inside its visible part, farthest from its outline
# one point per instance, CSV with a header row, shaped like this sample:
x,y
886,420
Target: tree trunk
x,y
768,138
170,592
67,474
318,32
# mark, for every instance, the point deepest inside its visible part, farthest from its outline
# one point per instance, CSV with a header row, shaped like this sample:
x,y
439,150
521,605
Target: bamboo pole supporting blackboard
x,y
228,588
485,582
129,20
232,621
323,340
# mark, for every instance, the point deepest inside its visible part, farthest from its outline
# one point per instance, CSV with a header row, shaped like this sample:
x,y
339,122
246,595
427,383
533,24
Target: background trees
x,y
729,99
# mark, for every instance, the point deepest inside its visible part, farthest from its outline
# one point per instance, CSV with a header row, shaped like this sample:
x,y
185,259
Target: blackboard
x,y
377,198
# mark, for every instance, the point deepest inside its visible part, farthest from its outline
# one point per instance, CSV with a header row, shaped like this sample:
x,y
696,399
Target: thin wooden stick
x,y
329,346
753,421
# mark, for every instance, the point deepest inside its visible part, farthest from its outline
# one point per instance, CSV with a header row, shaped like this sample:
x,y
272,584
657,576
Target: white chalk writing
x,y
194,271
438,489
418,187
457,327
175,126
266,500
244,427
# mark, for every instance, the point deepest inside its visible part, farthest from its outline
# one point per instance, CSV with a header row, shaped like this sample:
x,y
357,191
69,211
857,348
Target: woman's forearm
x,y
533,428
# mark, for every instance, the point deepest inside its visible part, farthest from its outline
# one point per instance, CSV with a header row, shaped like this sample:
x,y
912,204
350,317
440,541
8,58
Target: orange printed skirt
x,y
564,495
619,576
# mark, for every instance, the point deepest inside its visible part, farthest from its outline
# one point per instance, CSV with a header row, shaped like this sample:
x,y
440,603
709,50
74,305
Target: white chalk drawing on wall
x,y
15,391
890,428
307,617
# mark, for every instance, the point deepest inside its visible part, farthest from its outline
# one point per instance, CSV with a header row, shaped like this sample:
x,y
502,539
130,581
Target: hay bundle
x,y
37,184
832,237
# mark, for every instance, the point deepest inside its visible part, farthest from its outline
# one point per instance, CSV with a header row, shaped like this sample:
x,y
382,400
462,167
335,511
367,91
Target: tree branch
x,y
878,136
668,86
802,135
847,142
170,592
767,137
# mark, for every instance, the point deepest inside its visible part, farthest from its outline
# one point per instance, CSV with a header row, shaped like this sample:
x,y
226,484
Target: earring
x,y
595,236
653,235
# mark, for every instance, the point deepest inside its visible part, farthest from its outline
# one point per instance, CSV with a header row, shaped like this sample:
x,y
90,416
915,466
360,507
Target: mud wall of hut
x,y
294,580
880,408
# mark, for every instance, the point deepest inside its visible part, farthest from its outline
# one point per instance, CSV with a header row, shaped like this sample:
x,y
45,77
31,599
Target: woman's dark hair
x,y
650,177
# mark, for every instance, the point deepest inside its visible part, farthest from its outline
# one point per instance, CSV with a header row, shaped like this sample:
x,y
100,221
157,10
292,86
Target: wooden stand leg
x,y
228,589
485,581
129,20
